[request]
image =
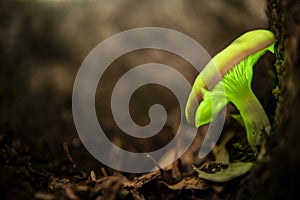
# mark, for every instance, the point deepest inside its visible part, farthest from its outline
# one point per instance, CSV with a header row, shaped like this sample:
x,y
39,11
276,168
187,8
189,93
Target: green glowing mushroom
x,y
235,65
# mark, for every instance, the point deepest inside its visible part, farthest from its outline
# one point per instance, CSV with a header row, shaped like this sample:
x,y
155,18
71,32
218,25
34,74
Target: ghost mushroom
x,y
234,65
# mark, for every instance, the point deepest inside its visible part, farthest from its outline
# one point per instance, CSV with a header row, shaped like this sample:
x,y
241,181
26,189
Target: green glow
x,y
237,83
235,64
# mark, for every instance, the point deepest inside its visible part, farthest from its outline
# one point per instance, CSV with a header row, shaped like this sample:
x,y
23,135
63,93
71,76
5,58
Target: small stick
x,y
103,171
93,175
67,152
155,162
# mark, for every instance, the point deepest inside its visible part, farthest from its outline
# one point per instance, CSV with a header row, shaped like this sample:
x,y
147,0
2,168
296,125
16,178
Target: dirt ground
x,y
42,45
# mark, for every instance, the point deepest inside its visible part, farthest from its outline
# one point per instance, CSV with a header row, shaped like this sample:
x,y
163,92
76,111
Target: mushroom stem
x,y
255,119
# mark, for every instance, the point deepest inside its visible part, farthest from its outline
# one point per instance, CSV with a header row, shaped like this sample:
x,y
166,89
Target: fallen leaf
x,y
188,183
44,196
223,174
140,181
70,193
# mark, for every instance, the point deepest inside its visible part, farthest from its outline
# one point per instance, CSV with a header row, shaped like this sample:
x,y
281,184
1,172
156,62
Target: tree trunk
x,y
284,176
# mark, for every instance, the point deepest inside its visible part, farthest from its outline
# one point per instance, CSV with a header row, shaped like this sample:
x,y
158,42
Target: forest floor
x,y
25,175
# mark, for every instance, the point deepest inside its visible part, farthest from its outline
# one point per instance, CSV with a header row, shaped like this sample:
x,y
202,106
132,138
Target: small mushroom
x,y
234,65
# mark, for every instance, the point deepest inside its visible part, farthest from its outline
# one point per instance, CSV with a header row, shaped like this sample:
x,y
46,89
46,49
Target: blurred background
x,y
43,43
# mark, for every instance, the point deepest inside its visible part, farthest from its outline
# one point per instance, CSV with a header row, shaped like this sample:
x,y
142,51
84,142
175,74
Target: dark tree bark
x,y
284,176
